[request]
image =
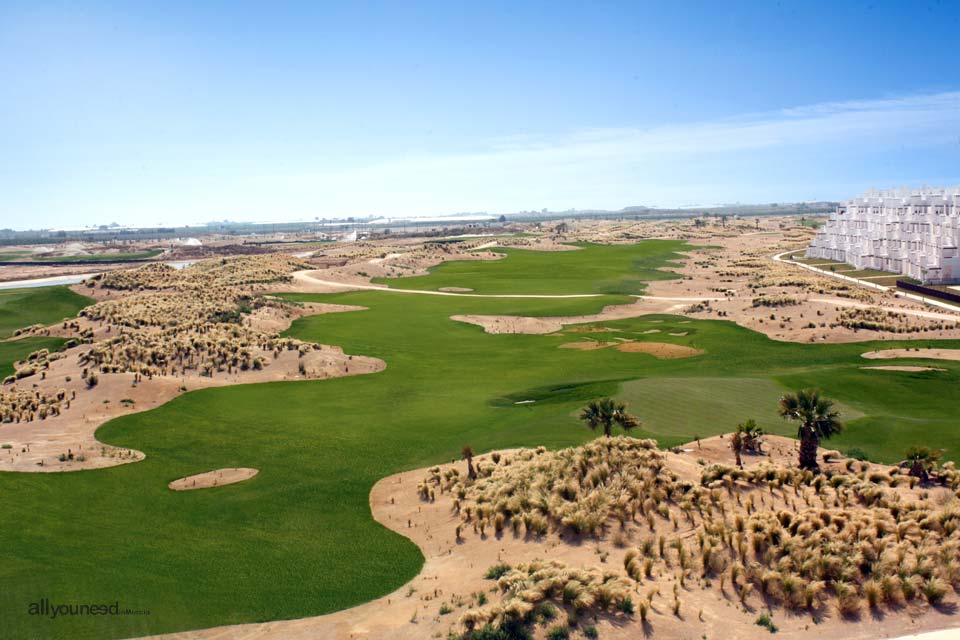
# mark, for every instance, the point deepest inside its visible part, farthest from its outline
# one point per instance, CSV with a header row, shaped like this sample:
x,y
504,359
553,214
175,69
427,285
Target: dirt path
x,y
865,283
332,286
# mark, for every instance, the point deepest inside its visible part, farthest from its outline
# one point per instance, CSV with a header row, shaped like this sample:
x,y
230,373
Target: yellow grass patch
x,y
586,345
591,329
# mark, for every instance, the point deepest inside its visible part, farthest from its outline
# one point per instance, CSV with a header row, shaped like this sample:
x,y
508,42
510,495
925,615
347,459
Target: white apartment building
x,y
914,232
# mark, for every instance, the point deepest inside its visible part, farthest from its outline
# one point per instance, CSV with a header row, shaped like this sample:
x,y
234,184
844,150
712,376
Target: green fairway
x,y
298,539
45,305
616,269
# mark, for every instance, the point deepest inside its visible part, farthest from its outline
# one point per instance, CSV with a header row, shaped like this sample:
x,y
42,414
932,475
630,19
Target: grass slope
x,y
298,539
13,350
609,269
22,307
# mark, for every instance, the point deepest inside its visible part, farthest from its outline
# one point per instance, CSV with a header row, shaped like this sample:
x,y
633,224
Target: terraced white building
x,y
912,232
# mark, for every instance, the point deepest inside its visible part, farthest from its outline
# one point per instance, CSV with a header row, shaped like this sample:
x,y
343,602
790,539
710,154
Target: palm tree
x,y
736,444
922,461
605,413
751,435
467,454
817,421
745,438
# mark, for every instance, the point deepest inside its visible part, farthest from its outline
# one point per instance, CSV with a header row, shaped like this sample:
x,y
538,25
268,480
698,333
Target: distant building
x,y
911,232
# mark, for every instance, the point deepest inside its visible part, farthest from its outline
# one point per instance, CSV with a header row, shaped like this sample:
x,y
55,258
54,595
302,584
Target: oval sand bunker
x,y
215,478
933,354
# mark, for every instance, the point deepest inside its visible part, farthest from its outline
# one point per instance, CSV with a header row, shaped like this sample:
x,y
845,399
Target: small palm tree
x,y
745,438
467,454
816,418
736,444
605,413
752,435
922,461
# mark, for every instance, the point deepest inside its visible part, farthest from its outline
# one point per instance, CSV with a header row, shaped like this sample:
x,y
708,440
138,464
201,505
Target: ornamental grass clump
x,y
533,593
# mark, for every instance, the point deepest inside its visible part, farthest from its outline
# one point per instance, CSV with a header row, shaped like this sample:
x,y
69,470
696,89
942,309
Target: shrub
x,y
559,632
764,621
857,454
545,612
496,571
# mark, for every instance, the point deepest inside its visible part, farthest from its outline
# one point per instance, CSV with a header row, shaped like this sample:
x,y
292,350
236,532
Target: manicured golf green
x,y
616,269
298,540
22,307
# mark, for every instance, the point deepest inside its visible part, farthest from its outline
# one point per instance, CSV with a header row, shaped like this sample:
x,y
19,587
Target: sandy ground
x,y
933,354
215,478
454,570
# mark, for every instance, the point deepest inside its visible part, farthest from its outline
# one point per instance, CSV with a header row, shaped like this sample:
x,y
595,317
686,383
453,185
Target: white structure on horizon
x,y
914,232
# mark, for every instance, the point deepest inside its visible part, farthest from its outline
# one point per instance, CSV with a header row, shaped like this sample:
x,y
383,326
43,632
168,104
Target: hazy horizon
x,y
187,113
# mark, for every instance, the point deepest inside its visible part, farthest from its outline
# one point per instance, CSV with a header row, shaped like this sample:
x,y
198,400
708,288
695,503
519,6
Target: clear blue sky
x,y
192,111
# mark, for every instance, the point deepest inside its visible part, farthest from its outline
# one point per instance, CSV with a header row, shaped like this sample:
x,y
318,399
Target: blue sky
x,y
191,111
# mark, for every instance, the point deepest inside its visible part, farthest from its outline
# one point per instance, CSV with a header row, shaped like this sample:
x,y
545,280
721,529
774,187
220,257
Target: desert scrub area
x,y
214,272
445,383
194,317
165,322
857,539
879,319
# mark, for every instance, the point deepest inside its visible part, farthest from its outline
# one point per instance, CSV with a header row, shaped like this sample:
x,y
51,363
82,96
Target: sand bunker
x,y
215,478
455,289
587,345
529,325
652,331
932,354
662,350
909,369
680,333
